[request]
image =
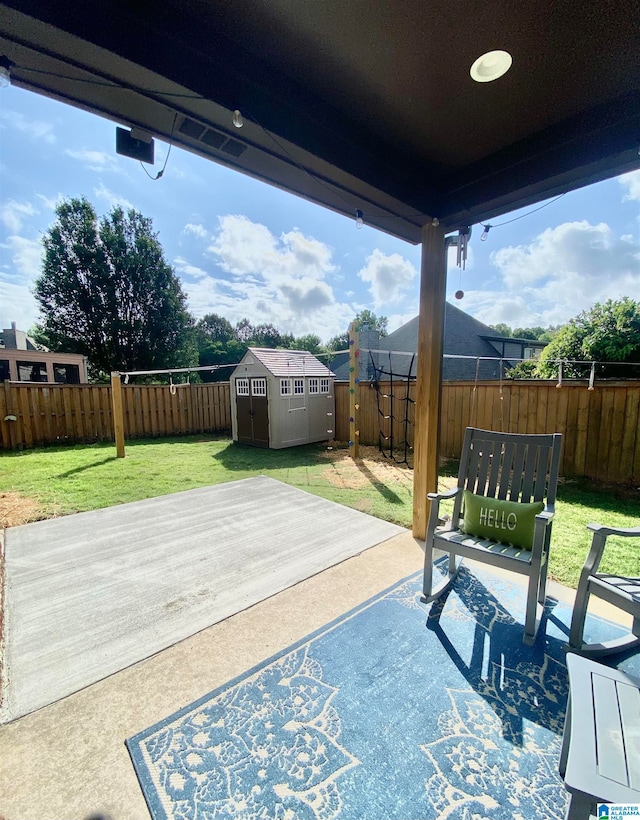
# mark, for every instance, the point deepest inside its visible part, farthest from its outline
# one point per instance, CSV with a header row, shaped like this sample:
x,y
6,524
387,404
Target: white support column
x,y
433,282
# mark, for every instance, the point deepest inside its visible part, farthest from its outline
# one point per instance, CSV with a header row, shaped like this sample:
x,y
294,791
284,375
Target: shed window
x,y
258,387
314,387
32,372
324,385
66,373
298,387
285,387
242,387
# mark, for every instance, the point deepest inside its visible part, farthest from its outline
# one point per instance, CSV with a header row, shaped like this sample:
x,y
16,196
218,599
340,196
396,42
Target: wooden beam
x,y
354,391
433,282
118,417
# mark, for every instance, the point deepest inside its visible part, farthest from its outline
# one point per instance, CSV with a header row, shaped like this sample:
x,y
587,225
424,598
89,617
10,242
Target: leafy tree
x,y
265,336
533,333
501,329
526,369
107,292
215,328
244,330
310,342
607,333
364,318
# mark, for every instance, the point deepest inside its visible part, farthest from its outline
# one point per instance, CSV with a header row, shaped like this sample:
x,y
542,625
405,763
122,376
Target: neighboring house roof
x,y
13,339
463,336
285,363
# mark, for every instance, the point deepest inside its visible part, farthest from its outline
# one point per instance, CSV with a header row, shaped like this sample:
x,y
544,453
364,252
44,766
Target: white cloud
x,y
12,214
631,182
184,268
49,203
33,129
292,305
196,230
563,271
245,247
305,256
112,199
94,160
389,277
17,304
306,296
270,279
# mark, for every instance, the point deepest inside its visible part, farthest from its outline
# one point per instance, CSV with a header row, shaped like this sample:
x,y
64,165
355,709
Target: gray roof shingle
x,y
285,363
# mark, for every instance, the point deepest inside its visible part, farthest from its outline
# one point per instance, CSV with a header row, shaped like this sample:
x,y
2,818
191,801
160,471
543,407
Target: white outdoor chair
x,y
494,468
615,589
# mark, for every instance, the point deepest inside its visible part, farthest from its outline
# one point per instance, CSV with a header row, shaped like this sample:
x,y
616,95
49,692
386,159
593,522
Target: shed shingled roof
x,y
290,362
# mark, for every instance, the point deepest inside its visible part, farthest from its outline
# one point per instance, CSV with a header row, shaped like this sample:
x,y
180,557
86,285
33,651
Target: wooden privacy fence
x,y
37,414
600,427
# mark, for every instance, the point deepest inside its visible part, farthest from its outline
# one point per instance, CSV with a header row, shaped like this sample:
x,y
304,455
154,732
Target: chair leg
x,y
580,807
542,586
427,577
578,617
598,650
431,591
566,735
533,613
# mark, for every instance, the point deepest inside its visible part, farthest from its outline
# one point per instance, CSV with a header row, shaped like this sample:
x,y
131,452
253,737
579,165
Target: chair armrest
x,y
444,496
434,513
546,516
607,531
600,535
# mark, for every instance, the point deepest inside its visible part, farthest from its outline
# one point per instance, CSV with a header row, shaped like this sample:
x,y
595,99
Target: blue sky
x,y
245,249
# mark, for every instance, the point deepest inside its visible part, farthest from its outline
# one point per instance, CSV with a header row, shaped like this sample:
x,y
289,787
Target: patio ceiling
x,y
365,104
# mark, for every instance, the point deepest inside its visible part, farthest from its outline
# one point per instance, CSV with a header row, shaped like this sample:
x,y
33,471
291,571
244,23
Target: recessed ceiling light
x,y
490,66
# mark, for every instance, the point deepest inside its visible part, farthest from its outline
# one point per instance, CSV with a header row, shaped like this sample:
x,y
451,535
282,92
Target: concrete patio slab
x,y
69,761
90,594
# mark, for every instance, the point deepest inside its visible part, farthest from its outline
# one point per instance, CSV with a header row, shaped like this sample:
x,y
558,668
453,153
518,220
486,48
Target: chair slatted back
x,y
512,466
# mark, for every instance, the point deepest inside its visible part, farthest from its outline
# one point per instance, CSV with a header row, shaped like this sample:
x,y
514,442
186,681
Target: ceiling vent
x,y
212,138
191,128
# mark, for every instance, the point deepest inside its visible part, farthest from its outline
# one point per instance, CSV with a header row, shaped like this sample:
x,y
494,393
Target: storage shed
x,y
281,398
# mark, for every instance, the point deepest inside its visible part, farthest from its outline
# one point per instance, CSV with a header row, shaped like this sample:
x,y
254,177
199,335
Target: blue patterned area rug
x,y
384,713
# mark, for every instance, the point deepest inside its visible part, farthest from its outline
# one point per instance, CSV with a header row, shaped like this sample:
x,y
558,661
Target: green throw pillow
x,y
509,522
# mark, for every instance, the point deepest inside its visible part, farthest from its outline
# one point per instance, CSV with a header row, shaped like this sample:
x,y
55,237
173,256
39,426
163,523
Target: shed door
x,y
245,424
260,412
252,411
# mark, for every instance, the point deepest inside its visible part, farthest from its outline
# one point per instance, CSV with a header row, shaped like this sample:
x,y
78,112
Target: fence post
x,y
12,416
118,418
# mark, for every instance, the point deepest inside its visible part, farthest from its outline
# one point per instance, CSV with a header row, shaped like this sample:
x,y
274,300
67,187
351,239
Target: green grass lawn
x,y
64,480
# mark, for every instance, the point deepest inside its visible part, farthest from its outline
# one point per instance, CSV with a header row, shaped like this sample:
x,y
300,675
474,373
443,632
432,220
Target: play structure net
x,y
391,374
